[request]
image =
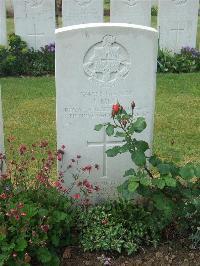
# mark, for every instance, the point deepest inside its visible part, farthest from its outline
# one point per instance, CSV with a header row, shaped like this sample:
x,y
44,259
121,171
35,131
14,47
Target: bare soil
x,y
175,254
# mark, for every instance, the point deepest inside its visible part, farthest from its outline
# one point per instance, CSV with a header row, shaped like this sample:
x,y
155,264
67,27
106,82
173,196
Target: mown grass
x,y
29,113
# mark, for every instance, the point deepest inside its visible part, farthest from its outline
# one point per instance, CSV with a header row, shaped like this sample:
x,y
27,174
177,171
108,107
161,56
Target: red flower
x,y
45,228
17,217
87,168
57,184
20,205
22,149
3,196
43,144
105,221
59,157
76,196
115,109
63,147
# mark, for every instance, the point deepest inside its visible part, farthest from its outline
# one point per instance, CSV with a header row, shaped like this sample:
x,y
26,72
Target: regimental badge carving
x,y
34,3
83,2
130,2
179,2
107,61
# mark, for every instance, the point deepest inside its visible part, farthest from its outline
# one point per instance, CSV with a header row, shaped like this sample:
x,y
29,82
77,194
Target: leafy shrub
x,y
18,59
187,61
119,226
171,189
36,219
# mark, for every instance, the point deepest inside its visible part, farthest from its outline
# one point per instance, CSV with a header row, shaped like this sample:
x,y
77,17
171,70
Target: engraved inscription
x,y
83,2
130,2
106,61
179,2
34,3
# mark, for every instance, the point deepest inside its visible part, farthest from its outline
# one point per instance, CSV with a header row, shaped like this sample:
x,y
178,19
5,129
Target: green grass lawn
x,y
29,113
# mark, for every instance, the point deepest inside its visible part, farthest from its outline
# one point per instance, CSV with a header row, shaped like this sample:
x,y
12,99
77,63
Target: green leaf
x,y
43,255
139,125
134,178
124,148
133,186
142,145
145,181
98,127
123,190
110,130
129,172
187,172
158,182
21,244
113,151
120,134
55,239
59,216
154,160
170,181
197,171
138,158
164,168
163,203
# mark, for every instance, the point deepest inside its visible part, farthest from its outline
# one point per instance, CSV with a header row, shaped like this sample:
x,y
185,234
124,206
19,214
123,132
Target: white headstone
x,y
76,12
131,11
3,33
35,21
96,66
2,150
177,24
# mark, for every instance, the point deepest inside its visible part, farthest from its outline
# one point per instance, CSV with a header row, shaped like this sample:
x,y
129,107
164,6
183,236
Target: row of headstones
x,y
35,19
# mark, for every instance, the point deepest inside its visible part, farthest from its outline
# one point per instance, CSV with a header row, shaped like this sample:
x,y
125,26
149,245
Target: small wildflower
x,y
76,196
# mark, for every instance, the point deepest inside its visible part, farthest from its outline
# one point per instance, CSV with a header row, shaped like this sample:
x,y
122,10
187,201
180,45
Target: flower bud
x,y
133,105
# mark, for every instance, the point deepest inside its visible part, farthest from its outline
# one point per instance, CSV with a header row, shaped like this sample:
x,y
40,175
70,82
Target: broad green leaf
x,y
139,125
134,178
113,151
164,168
142,145
123,190
110,130
129,172
59,216
120,134
197,171
98,127
145,181
124,148
170,181
163,203
133,186
43,255
158,182
138,158
154,160
187,172
21,244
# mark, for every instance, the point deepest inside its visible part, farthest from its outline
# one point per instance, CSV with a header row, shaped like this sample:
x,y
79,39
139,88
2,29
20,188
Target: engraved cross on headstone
x,y
104,144
35,35
177,31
